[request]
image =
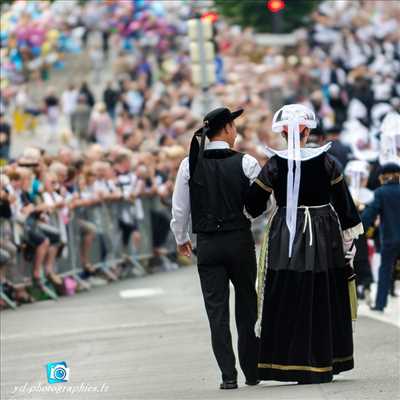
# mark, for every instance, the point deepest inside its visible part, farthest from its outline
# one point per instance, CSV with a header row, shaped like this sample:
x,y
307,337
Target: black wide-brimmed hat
x,y
217,119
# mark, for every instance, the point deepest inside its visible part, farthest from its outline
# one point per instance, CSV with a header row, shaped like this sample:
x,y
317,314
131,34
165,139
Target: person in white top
x,y
210,190
181,201
69,101
55,218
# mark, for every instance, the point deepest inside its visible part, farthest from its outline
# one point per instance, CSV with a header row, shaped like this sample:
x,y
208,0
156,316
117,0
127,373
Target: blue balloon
x,y
22,43
127,44
71,46
14,55
158,9
18,64
62,42
36,51
139,4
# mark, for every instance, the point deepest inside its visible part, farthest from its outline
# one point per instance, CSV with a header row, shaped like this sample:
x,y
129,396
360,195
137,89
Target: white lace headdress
x,y
292,116
355,172
390,139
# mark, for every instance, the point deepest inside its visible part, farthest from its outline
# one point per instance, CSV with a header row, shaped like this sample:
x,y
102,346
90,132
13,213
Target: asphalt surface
x,y
148,339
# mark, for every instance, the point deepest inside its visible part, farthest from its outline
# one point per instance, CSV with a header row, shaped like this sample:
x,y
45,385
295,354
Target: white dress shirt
x,y
181,198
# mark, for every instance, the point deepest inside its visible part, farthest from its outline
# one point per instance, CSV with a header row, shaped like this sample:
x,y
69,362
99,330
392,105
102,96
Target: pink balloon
x,y
134,26
36,40
22,34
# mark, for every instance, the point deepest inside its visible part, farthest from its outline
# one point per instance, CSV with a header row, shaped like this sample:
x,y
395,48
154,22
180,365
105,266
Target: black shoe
x,y
228,385
252,383
375,308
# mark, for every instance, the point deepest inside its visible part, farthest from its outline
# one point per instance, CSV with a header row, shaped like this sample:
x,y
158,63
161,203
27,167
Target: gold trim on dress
x,y
263,186
342,359
295,367
337,180
304,367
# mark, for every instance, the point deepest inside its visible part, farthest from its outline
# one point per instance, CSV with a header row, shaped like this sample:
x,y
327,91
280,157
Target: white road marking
x,y
144,292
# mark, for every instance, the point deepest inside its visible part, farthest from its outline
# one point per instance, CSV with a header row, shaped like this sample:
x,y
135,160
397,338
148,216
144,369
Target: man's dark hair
x,y
213,133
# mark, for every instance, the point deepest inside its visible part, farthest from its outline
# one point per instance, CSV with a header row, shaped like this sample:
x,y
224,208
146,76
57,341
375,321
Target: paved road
x,y
148,339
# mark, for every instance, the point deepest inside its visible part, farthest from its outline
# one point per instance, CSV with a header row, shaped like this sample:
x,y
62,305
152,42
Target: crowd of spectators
x,y
345,66
39,193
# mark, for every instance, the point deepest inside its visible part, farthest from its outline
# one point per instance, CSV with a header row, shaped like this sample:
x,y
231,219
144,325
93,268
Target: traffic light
x,y
275,5
202,52
211,16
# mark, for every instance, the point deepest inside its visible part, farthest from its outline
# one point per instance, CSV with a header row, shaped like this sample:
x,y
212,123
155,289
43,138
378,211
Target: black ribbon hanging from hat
x,y
196,153
193,154
203,139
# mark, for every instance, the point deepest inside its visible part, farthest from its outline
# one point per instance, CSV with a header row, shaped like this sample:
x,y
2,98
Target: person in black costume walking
x,y
211,185
305,307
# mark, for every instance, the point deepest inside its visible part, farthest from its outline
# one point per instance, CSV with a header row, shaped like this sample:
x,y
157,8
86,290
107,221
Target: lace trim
x,y
353,232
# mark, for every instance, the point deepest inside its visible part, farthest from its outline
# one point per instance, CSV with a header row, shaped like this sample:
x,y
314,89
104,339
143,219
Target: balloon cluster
x,y
33,35
141,19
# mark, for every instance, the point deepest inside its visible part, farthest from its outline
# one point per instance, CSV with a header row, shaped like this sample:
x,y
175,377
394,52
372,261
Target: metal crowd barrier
x,y
107,247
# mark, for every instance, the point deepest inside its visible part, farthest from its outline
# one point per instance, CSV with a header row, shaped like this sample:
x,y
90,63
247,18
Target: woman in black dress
x,y
305,319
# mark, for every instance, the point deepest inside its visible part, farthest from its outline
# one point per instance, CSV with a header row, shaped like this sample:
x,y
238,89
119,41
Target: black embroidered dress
x,y
306,327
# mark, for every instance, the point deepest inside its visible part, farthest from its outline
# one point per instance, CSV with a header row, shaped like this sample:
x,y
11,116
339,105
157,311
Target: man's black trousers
x,y
224,257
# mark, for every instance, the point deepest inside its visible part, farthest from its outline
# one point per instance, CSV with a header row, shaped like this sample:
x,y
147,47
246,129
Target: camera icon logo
x,y
57,372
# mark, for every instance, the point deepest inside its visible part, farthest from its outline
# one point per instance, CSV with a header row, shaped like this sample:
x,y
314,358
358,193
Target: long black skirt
x,y
306,329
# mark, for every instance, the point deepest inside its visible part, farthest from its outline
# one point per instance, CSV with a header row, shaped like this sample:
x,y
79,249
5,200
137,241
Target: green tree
x,y
254,13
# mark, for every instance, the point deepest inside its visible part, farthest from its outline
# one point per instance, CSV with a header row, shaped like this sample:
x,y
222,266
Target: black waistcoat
x,y
217,192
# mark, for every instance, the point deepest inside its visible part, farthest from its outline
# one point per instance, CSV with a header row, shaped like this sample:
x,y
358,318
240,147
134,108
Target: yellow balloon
x,y
5,25
46,47
5,21
3,83
53,34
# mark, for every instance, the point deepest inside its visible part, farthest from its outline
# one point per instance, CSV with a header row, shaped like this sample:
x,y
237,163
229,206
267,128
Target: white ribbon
x,y
307,221
293,179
